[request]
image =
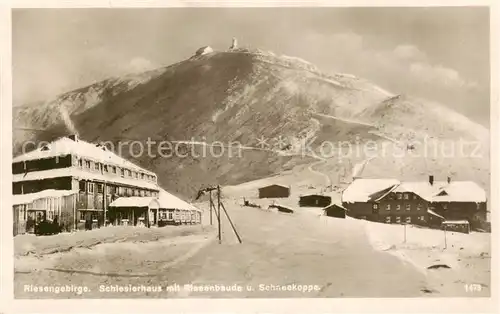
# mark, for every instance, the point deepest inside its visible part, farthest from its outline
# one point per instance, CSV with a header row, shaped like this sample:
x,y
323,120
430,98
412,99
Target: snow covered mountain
x,y
248,95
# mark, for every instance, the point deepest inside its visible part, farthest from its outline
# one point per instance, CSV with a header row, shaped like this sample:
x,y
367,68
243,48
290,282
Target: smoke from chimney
x,y
431,180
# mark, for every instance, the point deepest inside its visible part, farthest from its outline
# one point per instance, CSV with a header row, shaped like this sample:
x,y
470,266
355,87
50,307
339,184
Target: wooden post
x,y
445,244
211,223
405,234
218,212
74,210
104,201
231,222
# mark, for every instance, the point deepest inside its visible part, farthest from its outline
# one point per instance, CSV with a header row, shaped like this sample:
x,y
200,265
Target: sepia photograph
x,y
251,153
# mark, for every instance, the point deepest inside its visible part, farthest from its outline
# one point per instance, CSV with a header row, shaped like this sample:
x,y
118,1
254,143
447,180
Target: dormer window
x,y
44,148
123,172
442,193
87,164
96,166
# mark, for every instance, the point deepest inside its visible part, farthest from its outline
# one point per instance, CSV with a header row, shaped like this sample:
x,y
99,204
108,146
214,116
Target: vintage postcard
x,y
285,152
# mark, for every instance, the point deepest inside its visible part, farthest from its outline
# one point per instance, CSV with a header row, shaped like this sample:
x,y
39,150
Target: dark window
x,y
113,169
87,164
123,172
105,168
99,187
82,186
80,163
90,186
82,215
142,175
96,166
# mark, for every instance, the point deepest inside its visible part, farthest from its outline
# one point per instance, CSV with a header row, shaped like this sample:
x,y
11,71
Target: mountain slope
x,y
238,96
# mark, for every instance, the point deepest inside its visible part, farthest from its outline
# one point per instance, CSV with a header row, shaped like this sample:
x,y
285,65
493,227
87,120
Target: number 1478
x,y
474,287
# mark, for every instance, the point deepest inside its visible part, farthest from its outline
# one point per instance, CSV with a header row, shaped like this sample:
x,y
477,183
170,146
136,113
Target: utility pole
x,y
211,223
405,234
445,244
218,212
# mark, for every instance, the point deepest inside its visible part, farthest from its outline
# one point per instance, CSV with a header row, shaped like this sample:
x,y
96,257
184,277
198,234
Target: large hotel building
x,y
77,183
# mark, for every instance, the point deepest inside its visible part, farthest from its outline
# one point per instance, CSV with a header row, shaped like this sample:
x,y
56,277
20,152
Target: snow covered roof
x,y
168,200
335,205
362,190
204,50
442,191
434,213
456,222
76,172
66,146
135,201
270,185
19,199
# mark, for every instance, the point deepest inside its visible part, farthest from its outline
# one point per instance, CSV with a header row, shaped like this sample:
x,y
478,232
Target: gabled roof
x,y
66,146
135,201
170,201
19,199
335,205
363,190
280,185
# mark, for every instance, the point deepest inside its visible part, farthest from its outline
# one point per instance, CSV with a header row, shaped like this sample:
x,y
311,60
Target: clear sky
x,y
435,53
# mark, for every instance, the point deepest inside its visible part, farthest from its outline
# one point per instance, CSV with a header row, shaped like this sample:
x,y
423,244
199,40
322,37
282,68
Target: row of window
x,y
397,219
405,196
91,188
398,206
124,173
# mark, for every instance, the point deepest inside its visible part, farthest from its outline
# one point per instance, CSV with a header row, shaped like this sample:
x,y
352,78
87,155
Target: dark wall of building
x,y
26,187
335,211
315,201
42,164
274,191
475,213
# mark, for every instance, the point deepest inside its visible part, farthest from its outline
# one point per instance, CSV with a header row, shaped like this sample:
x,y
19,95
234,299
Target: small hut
x,y
315,200
274,191
462,226
335,210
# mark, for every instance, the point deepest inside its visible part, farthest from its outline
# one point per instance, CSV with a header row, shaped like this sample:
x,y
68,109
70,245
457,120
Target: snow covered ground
x,y
467,255
337,257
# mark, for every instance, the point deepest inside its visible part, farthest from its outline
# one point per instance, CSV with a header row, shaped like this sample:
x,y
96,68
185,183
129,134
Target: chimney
x,y
449,180
431,180
73,137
